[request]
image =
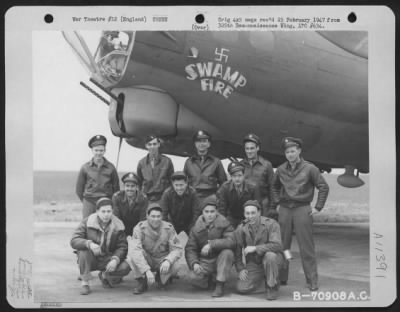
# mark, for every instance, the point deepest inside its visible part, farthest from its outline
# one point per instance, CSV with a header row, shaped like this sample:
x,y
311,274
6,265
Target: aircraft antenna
x,y
119,150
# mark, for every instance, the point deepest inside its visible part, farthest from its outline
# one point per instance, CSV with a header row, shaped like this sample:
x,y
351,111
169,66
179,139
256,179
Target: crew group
x,y
229,223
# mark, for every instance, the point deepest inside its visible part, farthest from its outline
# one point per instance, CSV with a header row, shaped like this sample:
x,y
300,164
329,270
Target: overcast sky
x,y
66,115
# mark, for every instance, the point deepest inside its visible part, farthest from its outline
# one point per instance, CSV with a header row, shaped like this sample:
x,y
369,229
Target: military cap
x,y
153,206
209,201
252,202
234,167
104,201
151,137
201,134
97,140
179,175
290,141
130,177
251,137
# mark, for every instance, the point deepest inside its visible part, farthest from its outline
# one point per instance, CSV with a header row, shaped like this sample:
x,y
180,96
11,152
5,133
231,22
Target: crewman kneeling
x,y
101,243
153,247
258,251
209,250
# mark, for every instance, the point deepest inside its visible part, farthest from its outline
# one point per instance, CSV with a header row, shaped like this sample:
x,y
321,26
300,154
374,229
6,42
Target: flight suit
x,y
148,248
112,242
154,180
130,213
181,211
260,173
230,202
293,190
219,261
266,262
96,182
205,176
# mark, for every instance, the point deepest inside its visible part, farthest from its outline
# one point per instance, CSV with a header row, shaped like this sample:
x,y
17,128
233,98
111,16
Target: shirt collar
x,y
233,187
104,164
157,159
289,167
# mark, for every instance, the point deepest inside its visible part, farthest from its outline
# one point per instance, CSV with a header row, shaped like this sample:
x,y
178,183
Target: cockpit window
x,y
105,54
112,55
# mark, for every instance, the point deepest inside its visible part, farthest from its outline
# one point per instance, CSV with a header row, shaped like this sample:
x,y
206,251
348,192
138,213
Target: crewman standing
x,y
97,178
258,252
209,250
154,170
153,247
205,171
130,204
234,193
180,203
258,170
293,189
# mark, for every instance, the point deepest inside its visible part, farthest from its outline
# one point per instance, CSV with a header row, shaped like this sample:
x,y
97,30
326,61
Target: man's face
x,y
209,213
293,154
105,213
153,146
131,188
202,145
98,151
179,186
251,149
154,218
237,178
251,213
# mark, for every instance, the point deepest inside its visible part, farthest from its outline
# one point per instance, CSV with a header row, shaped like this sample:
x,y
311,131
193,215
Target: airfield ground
x,y
343,262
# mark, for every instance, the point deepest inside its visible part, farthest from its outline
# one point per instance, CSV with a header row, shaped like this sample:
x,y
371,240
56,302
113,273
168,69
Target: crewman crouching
x,y
153,247
101,243
209,250
258,252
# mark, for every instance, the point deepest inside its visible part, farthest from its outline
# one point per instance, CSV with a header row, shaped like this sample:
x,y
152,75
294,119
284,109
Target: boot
x,y
211,283
141,287
85,290
219,290
272,292
104,280
313,286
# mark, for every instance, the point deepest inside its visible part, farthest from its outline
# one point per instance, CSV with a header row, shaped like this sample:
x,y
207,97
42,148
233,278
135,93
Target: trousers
x,y
88,262
89,207
221,265
299,218
267,271
155,264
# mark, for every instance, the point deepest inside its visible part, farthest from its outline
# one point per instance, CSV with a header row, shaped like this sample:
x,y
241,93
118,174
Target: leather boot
x,y
219,289
141,287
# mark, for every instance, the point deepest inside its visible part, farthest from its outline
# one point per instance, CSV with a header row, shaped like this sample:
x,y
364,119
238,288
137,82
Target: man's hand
x,y
198,269
249,249
165,266
150,278
205,250
314,211
95,248
243,275
111,266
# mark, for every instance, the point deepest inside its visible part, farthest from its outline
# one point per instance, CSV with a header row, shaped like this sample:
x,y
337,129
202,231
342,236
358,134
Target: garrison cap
x,y
104,201
179,175
97,140
201,134
153,206
251,137
254,203
235,167
130,177
151,137
209,201
290,141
